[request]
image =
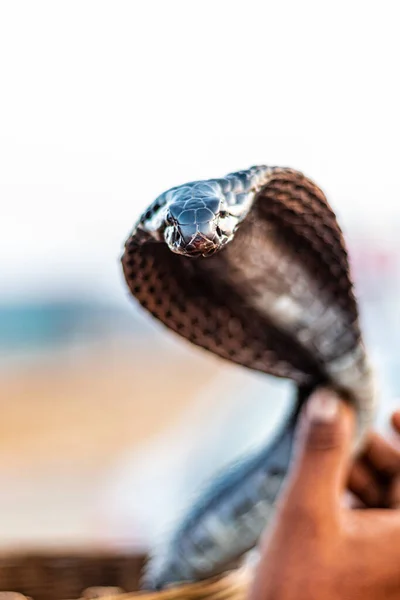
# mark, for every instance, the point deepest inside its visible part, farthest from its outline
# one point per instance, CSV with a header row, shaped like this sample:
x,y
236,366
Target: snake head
x,y
198,227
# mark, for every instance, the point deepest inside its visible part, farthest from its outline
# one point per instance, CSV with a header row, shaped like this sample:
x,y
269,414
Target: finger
x,y
321,454
394,494
396,420
382,456
365,486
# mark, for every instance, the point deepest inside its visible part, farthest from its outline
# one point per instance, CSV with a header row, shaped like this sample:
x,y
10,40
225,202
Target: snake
x,y
252,267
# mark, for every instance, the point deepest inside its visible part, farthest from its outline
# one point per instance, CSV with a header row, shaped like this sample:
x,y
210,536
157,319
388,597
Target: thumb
x,y
322,453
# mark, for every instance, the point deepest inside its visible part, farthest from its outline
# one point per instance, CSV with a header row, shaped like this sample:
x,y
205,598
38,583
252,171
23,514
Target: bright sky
x,y
104,105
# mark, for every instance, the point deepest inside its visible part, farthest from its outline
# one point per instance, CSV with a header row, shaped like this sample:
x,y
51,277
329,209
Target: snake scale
x,y
253,267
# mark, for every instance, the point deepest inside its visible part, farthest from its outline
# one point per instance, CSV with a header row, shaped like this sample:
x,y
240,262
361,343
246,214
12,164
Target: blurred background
x,y
109,424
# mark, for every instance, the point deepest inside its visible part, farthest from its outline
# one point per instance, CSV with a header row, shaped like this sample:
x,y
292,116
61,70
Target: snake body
x,y
252,267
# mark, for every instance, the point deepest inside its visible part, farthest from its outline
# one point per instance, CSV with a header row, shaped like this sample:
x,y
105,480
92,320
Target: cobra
x,y
271,290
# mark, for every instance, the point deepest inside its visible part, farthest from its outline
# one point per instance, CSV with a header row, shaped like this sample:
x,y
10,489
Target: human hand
x,y
317,547
374,478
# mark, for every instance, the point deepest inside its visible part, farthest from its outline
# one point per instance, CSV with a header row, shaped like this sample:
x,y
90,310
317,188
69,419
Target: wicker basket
x,y
105,575
62,575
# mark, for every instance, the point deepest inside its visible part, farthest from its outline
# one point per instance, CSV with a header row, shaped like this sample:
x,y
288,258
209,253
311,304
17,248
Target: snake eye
x,y
169,219
223,214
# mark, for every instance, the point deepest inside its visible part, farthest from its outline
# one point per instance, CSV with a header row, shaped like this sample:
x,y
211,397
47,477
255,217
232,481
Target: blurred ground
x,y
64,424
90,406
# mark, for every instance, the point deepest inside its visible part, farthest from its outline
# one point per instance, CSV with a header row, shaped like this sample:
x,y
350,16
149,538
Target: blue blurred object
x,y
42,326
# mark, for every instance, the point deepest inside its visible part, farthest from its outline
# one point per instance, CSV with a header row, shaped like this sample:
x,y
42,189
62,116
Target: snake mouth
x,y
198,253
199,245
194,246
195,252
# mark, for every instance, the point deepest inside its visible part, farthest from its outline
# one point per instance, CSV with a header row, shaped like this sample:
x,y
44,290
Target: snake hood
x,y
270,290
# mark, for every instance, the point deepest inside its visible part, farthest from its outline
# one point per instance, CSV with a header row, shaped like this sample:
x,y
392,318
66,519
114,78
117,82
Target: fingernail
x,y
323,406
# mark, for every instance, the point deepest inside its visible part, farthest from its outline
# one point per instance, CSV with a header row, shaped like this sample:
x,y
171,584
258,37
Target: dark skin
x,y
319,547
